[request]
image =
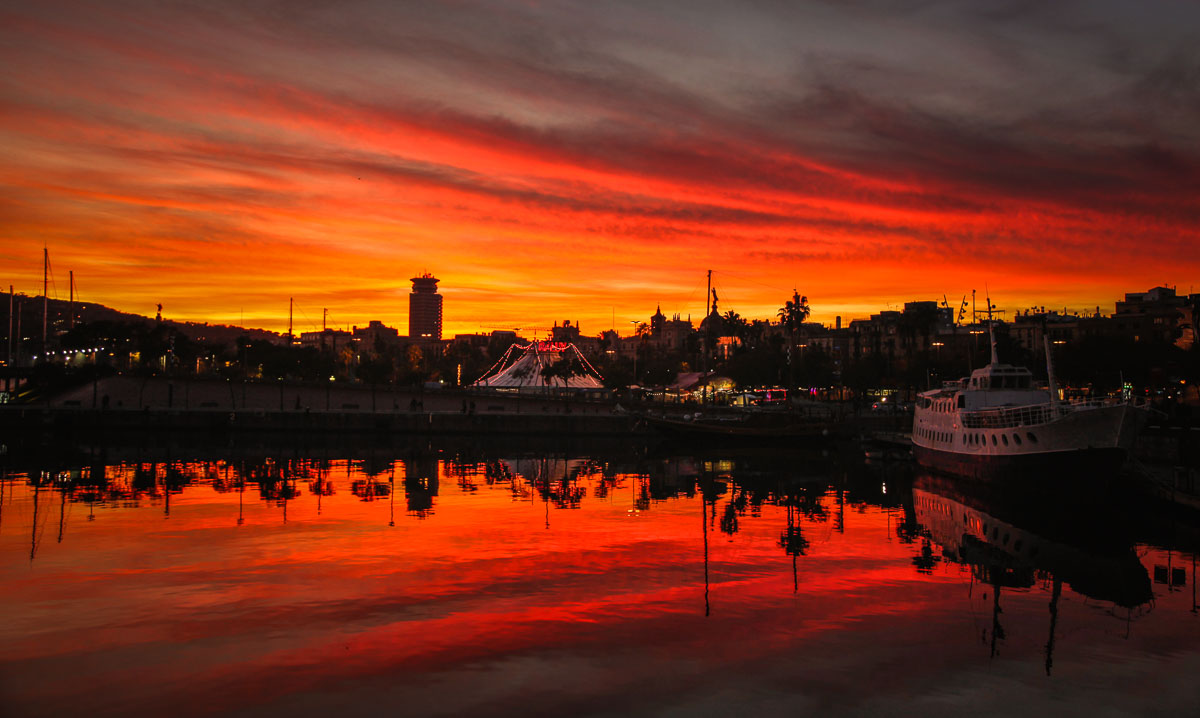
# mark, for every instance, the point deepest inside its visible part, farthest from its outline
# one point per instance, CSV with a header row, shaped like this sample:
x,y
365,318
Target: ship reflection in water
x,y
445,582
1010,542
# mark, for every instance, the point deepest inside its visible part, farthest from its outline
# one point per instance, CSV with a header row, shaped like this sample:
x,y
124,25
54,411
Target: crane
x,y
518,329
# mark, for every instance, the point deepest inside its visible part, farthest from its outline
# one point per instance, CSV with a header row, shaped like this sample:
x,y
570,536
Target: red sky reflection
x,y
464,591
578,160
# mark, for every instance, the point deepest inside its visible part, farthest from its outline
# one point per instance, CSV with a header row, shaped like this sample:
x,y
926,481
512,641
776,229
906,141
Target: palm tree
x,y
735,325
565,369
643,333
792,315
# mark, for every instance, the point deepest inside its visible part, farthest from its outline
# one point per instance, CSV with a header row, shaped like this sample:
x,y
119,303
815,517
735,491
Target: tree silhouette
x,y
791,315
566,368
794,312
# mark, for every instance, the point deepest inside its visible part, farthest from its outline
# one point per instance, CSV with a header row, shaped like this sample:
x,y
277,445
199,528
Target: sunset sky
x,y
590,160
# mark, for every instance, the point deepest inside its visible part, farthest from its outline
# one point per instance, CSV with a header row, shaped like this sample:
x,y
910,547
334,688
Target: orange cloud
x,y
221,169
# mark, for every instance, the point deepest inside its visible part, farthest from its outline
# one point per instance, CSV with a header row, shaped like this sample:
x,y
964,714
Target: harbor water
x,y
488,581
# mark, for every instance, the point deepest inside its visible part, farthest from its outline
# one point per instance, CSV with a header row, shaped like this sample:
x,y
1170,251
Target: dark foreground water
x,y
425,582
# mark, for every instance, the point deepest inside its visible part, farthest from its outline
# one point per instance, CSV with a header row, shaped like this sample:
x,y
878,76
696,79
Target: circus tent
x,y
542,365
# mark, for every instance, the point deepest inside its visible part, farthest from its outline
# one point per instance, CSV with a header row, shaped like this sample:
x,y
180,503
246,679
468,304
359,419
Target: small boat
x,y
998,424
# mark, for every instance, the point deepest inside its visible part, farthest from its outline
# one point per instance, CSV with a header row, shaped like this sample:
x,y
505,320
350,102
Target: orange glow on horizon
x,y
220,173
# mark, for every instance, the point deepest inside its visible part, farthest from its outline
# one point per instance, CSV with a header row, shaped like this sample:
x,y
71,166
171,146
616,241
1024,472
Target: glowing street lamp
x,y
634,322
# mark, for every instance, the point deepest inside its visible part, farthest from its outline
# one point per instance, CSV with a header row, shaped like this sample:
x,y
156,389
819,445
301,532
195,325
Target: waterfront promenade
x,y
123,406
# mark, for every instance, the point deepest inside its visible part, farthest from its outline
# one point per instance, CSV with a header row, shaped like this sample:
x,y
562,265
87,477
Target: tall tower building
x,y
425,309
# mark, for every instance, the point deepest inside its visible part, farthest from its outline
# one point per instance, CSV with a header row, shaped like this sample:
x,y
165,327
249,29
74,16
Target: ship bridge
x,y
1001,376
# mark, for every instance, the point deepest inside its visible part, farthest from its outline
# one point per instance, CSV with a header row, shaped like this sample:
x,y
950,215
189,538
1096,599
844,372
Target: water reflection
x,y
488,581
1020,540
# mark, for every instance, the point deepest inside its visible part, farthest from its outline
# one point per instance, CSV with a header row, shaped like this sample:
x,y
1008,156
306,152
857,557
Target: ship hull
x,y
1088,442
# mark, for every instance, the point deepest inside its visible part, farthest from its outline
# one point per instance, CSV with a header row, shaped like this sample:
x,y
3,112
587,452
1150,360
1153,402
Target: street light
x,y
637,339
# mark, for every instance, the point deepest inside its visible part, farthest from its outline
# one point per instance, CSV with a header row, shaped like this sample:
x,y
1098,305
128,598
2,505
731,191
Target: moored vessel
x,y
997,424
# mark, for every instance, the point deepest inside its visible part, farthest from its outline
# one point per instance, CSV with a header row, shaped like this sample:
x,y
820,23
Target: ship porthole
x,y
1017,438
993,439
1004,438
1032,437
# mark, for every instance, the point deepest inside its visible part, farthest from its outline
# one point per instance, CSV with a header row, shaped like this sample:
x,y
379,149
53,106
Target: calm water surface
x,y
427,582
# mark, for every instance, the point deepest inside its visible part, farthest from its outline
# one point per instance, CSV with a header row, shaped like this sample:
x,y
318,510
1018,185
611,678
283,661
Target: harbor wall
x,y
160,393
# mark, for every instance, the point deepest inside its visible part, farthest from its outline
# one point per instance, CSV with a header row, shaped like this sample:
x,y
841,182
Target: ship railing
x,y
1085,404
1008,417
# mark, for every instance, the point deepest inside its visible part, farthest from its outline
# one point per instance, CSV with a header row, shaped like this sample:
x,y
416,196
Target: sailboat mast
x,y
704,336
71,304
19,331
45,295
8,355
290,302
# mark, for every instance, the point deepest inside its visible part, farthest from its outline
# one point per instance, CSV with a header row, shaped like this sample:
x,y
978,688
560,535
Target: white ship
x,y
997,423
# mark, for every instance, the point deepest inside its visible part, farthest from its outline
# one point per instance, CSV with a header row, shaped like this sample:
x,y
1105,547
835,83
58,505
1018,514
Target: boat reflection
x,y
1016,540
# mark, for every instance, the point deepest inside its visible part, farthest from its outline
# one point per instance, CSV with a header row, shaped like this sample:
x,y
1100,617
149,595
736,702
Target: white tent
x,y
534,366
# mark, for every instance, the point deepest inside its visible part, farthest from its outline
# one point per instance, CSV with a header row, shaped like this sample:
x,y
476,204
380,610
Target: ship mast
x,y
1050,371
992,330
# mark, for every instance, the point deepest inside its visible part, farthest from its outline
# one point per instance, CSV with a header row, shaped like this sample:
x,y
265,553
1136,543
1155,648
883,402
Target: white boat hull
x,y
1092,441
